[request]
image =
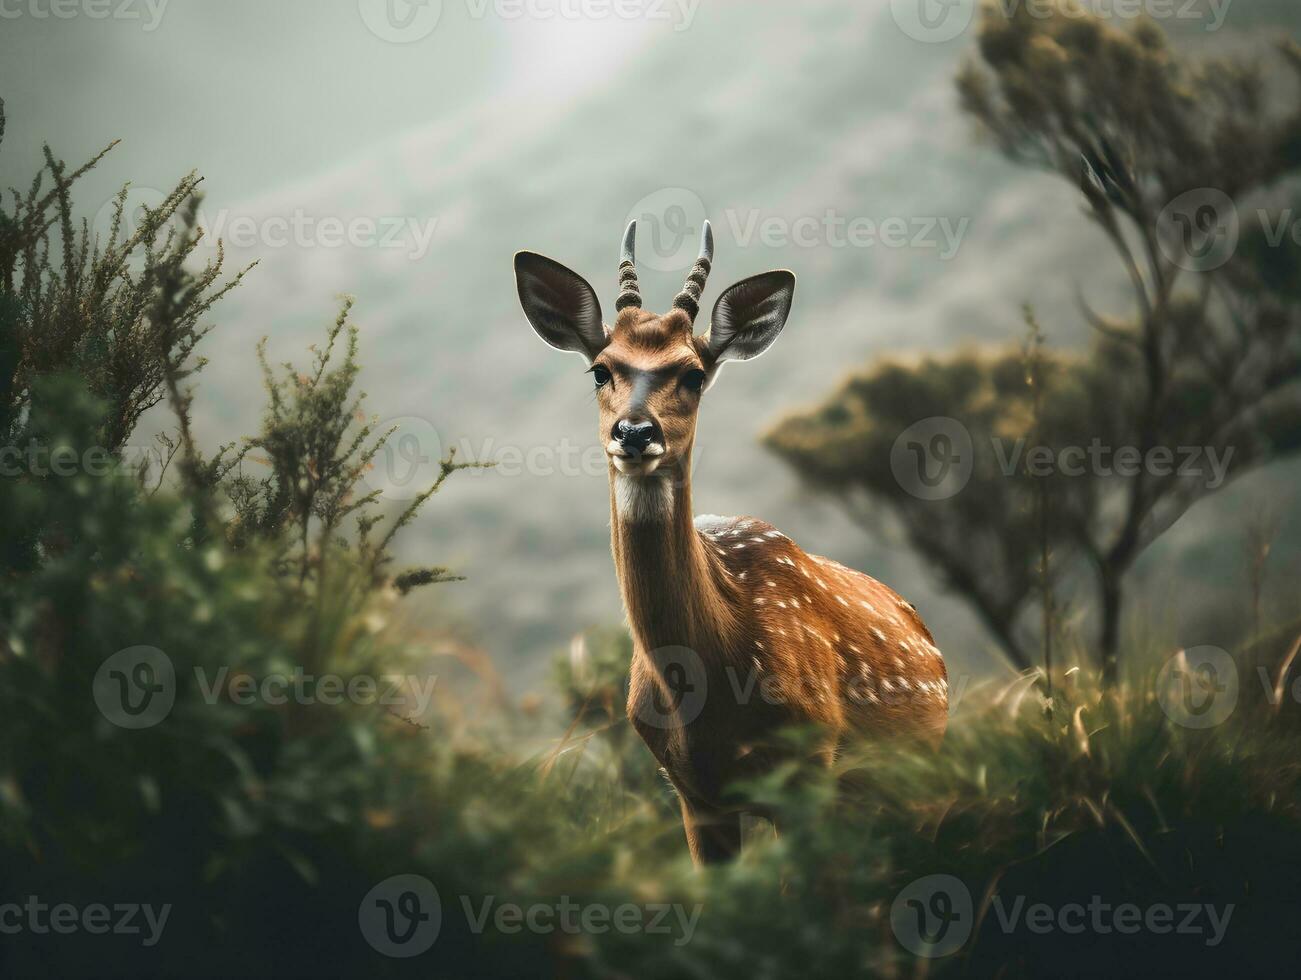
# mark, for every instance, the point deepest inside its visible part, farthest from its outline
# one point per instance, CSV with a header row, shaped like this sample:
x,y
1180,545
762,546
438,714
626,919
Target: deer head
x,y
651,371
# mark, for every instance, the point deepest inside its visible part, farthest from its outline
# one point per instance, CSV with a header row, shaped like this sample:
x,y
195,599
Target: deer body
x,y
737,632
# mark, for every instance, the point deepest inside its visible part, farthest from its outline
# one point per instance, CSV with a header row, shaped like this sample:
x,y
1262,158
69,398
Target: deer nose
x,y
634,435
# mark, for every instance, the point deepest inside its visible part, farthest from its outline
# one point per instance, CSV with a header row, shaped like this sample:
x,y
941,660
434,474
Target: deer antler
x,y
629,288
689,298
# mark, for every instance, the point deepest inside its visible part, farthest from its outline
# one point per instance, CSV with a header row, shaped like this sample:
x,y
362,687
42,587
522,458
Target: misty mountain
x,y
786,126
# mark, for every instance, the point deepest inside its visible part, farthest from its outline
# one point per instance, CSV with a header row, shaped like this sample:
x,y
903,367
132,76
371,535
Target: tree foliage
x,y
1210,356
263,824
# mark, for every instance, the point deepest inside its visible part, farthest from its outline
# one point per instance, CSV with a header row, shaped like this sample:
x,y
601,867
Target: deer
x,y
737,632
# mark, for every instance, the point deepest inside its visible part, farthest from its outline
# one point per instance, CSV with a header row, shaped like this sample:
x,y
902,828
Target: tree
x,y
1156,145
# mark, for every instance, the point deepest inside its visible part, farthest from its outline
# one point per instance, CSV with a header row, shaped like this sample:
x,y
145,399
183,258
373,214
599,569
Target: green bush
x,y
263,825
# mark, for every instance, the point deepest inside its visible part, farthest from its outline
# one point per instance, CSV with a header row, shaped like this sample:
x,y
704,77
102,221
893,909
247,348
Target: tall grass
x,y
1107,795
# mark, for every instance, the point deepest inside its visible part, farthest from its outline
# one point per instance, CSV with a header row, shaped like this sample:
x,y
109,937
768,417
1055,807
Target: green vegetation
x,y
264,823
1176,161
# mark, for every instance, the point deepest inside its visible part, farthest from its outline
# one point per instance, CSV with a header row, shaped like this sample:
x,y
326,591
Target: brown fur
x,y
782,637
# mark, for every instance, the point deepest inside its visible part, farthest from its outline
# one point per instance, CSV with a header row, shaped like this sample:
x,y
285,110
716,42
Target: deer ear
x,y
560,304
748,316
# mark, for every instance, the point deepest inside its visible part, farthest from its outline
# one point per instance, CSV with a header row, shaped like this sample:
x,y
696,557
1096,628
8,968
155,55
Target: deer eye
x,y
601,376
694,380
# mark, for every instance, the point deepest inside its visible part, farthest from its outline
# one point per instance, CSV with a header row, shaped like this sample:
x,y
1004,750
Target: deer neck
x,y
675,590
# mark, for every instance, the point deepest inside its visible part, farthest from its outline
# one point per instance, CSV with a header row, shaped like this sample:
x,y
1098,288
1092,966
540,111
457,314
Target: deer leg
x,y
712,835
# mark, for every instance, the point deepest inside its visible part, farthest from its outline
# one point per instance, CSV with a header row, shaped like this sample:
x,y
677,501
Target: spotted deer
x,y
737,632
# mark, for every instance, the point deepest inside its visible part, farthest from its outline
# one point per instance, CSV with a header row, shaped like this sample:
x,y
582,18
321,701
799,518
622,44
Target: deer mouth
x,y
634,462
